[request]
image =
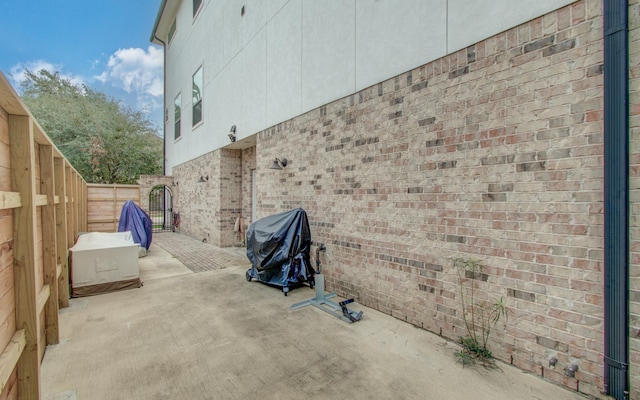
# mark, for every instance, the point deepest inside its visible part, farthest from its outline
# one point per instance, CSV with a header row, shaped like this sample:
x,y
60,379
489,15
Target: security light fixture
x,y
204,178
278,164
232,133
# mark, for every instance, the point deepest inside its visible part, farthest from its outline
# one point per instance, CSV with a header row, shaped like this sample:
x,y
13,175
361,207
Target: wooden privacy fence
x,y
104,205
42,208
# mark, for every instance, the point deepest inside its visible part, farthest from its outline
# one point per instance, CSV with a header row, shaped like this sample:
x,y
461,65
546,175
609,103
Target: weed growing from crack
x,y
479,317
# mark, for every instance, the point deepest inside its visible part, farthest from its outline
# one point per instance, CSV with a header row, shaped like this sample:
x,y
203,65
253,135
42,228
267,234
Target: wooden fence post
x,y
71,239
24,232
49,245
76,206
62,248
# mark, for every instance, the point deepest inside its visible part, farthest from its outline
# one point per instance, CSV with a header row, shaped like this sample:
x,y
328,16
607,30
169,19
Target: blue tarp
x,y
278,248
135,220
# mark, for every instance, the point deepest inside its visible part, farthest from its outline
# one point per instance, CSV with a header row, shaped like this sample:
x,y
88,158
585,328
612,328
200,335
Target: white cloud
x,y
18,76
136,71
139,73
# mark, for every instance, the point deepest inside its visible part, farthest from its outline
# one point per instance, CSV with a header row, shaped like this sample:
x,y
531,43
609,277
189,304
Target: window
x,y
196,7
197,97
177,106
172,31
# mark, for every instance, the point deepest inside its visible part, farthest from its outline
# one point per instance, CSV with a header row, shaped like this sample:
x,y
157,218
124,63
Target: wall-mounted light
x,y
203,178
232,133
174,183
278,164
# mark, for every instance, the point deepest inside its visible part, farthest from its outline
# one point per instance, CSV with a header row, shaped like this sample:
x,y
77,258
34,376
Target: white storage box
x,y
104,262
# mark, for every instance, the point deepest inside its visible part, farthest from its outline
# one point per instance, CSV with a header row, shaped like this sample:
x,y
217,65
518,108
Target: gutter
x,y
157,22
616,198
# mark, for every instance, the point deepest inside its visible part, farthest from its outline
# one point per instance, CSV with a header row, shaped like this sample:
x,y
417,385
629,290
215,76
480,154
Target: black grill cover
x,y
278,247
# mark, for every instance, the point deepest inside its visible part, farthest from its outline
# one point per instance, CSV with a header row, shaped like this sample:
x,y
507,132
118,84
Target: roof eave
x,y
154,38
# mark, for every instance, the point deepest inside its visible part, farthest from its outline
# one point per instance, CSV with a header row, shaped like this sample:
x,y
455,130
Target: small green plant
x,y
479,316
465,357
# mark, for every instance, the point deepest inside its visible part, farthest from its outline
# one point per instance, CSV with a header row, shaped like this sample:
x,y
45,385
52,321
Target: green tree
x,y
105,141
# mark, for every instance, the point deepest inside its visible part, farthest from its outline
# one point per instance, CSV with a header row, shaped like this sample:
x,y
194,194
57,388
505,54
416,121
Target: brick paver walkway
x,y
198,256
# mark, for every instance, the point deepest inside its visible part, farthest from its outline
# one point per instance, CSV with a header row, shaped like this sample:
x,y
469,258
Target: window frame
x,y
196,103
177,117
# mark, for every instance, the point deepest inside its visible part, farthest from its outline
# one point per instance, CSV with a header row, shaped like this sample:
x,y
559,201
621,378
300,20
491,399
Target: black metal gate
x,y
161,209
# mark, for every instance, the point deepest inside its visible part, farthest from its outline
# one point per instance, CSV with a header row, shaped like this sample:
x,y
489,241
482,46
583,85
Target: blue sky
x,y
101,43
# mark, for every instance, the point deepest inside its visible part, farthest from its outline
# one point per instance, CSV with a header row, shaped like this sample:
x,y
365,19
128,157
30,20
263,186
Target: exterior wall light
x,y
204,178
278,164
232,133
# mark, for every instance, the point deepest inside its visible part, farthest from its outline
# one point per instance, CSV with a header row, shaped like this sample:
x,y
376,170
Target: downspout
x,y
616,199
164,104
164,85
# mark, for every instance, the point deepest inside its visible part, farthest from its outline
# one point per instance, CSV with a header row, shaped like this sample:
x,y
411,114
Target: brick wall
x,y
493,152
248,166
208,210
634,172
230,197
198,201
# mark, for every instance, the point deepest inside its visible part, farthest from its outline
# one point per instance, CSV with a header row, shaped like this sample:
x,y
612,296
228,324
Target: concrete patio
x,y
211,335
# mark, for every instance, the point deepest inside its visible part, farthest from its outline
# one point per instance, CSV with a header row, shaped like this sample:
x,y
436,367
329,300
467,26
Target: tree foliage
x,y
105,141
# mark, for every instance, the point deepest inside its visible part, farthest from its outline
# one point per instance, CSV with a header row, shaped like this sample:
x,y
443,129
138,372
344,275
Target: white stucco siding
x,y
232,28
328,51
282,58
176,79
254,84
396,36
253,21
215,51
227,110
198,42
273,7
472,21
284,63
